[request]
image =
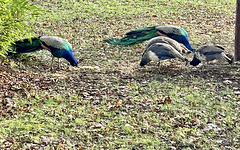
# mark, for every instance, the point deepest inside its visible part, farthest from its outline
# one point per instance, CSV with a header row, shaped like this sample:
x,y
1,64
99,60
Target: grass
x,y
109,103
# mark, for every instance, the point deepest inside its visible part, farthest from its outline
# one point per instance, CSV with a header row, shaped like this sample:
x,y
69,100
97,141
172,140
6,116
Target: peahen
x,y
59,47
161,51
208,53
143,34
163,39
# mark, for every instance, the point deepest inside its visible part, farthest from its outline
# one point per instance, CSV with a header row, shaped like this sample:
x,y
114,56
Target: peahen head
x,y
195,61
144,60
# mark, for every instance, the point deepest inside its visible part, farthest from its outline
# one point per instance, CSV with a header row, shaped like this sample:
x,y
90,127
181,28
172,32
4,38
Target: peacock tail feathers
x,y
143,34
135,36
26,45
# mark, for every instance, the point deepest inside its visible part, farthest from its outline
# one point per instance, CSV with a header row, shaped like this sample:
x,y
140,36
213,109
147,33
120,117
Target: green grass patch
x,y
109,103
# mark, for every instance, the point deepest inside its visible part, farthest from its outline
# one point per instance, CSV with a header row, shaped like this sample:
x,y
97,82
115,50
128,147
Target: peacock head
x,y
74,63
70,58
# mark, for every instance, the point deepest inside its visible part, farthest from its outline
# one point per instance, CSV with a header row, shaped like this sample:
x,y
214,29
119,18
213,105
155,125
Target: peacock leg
x,y
59,63
159,65
52,63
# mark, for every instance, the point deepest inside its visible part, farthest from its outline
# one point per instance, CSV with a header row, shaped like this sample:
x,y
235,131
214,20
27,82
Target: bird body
x,y
208,53
56,42
176,33
160,51
143,34
167,40
58,47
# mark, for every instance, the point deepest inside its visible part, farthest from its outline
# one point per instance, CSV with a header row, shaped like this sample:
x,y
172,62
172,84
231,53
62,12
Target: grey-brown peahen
x,y
163,39
208,53
161,48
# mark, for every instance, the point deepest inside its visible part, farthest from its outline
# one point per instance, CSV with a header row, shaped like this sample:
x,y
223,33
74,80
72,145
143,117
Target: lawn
x,y
107,102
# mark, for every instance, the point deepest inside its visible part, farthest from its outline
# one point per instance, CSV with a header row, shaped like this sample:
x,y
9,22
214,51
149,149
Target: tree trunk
x,y
237,32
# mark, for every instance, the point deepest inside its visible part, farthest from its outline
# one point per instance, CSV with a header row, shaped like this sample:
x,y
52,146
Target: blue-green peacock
x,y
143,34
58,47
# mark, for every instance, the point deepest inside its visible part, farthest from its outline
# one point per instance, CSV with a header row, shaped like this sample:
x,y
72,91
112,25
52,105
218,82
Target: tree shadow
x,y
222,73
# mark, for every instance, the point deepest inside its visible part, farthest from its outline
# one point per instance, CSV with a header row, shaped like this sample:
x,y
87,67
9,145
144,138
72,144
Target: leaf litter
x,y
108,102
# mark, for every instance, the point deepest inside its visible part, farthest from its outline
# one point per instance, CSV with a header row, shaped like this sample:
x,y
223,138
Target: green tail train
x,y
136,36
26,46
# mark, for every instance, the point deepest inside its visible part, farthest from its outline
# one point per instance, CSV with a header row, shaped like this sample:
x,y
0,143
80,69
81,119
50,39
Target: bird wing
x,y
210,49
166,40
159,51
174,44
169,29
176,53
165,51
158,39
56,42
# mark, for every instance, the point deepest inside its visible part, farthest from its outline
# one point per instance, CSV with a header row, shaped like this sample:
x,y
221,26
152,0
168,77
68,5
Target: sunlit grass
x,y
119,106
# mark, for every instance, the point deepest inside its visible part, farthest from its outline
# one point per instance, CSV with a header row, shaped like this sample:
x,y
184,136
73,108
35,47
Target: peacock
x,y
208,53
143,34
58,47
161,51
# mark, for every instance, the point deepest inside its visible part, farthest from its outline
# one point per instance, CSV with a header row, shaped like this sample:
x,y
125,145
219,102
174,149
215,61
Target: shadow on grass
x,y
228,74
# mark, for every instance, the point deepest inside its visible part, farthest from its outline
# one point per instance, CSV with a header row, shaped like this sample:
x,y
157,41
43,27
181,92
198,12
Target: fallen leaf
x,y
119,103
